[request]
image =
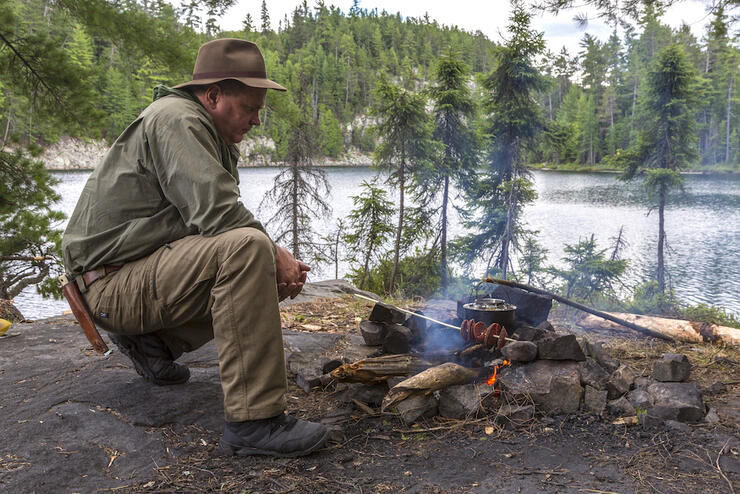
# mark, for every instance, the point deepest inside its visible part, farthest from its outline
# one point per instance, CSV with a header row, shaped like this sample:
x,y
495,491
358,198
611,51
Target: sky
x,y
488,16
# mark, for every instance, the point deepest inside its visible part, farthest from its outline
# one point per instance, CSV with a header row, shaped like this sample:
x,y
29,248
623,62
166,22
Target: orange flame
x,y
494,377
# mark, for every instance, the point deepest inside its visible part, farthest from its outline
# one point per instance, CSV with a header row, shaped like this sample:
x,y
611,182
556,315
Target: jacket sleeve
x,y
185,156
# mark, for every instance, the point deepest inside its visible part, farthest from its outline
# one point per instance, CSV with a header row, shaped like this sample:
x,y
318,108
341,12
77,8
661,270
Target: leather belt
x,y
84,280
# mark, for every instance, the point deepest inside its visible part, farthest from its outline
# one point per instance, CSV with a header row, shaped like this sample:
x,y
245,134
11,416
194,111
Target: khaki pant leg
x,y
228,279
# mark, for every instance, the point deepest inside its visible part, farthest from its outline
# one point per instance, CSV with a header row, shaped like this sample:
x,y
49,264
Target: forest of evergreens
x,y
435,105
592,99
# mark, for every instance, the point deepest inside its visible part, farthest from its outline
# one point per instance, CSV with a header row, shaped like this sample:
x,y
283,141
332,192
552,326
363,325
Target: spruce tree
x,y
668,141
405,133
496,197
369,228
300,190
454,113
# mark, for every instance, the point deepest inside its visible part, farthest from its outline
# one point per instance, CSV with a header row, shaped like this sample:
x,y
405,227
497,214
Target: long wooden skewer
x,y
418,315
608,317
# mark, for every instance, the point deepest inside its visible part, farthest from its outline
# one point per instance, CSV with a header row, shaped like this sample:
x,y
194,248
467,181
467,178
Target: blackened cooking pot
x,y
490,310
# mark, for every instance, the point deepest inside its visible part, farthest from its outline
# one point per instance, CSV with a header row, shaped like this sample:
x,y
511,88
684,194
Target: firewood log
x,y
428,381
378,369
675,329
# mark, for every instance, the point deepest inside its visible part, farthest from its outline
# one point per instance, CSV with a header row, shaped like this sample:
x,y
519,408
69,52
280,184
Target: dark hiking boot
x,y
282,436
151,357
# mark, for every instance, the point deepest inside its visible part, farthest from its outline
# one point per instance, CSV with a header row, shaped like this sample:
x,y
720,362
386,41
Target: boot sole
x,y
233,450
131,354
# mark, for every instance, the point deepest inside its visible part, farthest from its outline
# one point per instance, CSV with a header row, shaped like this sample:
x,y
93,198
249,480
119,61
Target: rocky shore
x,y
70,153
75,421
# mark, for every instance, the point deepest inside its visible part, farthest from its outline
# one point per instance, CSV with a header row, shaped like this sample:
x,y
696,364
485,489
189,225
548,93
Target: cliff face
x,y
70,153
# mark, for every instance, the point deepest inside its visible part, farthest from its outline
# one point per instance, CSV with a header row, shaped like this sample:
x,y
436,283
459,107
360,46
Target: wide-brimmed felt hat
x,y
230,58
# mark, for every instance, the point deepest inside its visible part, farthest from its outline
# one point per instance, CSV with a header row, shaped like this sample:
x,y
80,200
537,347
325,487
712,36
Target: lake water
x,y
703,225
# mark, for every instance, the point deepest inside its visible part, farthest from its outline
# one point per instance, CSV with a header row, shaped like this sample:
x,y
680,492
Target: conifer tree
x,y
668,141
264,18
406,143
454,112
498,195
300,190
369,228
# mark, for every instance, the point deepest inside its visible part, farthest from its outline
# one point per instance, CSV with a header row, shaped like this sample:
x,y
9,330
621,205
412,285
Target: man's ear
x,y
212,95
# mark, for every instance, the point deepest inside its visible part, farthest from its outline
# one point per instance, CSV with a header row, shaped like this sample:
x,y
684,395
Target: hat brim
x,y
247,81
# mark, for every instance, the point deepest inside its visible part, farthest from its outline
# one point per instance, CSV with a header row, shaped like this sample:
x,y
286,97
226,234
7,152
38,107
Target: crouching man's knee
x,y
242,245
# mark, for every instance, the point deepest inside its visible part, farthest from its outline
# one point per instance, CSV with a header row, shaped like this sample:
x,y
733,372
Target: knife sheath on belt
x,y
82,314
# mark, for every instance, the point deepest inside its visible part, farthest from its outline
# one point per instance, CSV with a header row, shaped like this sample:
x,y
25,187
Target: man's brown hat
x,y
230,58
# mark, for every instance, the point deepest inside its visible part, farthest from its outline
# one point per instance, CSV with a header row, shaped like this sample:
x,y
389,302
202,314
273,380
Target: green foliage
x,y
588,270
532,269
368,229
495,197
405,147
331,133
416,275
30,244
710,314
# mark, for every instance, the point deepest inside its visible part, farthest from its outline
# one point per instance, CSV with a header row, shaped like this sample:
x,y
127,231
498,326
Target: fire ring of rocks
x,y
421,370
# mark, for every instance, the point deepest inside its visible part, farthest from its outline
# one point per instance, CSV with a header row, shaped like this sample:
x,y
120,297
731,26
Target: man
x,y
168,257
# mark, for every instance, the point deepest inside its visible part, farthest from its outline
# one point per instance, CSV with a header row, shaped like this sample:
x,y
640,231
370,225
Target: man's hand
x,y
291,274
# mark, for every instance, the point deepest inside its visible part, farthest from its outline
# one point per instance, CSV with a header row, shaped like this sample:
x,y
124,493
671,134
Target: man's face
x,y
236,112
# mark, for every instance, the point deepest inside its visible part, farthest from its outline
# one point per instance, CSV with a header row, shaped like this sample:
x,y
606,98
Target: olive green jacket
x,y
168,175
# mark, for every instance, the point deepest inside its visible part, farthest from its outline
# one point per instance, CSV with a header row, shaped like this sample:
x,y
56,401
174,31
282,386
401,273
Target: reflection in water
x,y
702,223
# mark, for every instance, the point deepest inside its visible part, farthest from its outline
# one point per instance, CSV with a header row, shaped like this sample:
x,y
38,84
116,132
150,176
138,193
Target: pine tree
x,y
454,112
300,190
264,18
503,188
668,141
406,143
369,228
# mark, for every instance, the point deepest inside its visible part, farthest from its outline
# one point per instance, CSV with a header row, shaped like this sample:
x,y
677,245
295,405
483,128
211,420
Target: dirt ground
x,y
555,454
176,451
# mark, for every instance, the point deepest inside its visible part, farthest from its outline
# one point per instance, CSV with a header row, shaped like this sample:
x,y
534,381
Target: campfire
x,y
498,355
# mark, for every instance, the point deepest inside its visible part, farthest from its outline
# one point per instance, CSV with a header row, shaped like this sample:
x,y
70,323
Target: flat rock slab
x,y
98,425
676,401
554,386
673,367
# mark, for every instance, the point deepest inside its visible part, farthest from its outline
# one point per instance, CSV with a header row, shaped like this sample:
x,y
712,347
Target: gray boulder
x,y
417,407
387,313
594,400
621,407
619,382
459,402
554,386
560,347
526,332
598,353
676,401
673,367
514,415
592,374
520,351
639,399
643,382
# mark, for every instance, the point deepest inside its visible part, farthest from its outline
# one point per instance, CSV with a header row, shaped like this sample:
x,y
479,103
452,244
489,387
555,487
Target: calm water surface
x,y
703,225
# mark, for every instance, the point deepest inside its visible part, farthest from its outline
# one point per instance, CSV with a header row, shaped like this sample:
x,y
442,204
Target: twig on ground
x,y
719,469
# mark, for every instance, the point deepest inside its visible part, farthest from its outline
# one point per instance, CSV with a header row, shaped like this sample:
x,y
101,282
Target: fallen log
x,y
675,329
377,369
428,381
603,315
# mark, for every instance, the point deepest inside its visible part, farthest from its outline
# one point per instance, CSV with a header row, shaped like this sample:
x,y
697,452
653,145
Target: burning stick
x,y
493,380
